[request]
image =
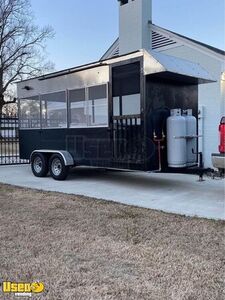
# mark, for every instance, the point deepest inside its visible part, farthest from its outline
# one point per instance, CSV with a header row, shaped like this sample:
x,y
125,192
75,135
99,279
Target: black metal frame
x,y
126,130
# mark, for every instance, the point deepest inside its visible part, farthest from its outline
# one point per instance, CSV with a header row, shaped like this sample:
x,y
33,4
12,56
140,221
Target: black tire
x,y
58,169
222,172
39,165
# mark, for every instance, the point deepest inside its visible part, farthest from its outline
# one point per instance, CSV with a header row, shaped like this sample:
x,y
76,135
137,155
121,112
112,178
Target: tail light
x,y
222,136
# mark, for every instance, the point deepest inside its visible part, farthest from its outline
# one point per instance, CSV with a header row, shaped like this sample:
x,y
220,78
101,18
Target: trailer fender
x,y
67,157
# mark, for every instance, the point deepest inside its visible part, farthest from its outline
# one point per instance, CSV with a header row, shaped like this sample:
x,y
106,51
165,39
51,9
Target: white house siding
x,y
223,94
211,97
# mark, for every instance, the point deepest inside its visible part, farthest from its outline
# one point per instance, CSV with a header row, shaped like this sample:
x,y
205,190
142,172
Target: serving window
x,y
88,107
97,106
77,111
30,113
54,110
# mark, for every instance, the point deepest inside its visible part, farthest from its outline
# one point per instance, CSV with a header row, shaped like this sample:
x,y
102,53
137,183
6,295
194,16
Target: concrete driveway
x,y
181,194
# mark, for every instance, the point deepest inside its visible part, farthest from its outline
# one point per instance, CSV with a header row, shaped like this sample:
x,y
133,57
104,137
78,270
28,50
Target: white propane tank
x,y
176,141
191,125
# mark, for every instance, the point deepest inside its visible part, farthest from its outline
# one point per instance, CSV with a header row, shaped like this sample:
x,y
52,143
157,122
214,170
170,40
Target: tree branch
x,y
21,44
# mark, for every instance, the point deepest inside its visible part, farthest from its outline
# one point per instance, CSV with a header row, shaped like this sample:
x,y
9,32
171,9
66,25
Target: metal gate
x,y
9,141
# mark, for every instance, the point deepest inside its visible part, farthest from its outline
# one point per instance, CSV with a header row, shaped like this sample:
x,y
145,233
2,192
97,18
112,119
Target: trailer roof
x,y
78,68
154,63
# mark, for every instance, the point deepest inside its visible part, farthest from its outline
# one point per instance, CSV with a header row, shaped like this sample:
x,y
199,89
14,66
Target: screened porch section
x,y
78,108
127,129
88,107
29,112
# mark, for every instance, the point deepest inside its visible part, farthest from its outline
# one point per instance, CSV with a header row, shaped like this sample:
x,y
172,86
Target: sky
x,y
84,30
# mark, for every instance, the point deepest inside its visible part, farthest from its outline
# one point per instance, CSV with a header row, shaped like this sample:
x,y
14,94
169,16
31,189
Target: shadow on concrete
x,y
128,178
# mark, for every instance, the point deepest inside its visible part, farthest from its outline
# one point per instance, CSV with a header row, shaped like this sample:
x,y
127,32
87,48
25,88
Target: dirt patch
x,y
83,248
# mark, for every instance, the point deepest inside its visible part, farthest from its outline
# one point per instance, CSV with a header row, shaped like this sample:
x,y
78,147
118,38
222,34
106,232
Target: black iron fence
x,y
9,141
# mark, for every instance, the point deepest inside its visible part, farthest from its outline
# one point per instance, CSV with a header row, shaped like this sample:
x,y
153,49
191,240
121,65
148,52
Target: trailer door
x,y
126,116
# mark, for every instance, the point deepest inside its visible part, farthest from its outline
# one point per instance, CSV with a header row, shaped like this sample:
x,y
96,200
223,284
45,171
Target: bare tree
x,y
21,46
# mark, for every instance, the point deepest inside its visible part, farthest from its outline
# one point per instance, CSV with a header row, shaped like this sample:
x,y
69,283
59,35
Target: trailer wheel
x,y
57,167
39,165
222,172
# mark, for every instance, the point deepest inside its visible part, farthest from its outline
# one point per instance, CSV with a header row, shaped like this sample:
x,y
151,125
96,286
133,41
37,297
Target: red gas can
x,y
222,135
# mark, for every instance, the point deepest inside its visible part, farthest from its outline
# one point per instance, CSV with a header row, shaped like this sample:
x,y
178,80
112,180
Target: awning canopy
x,y
169,67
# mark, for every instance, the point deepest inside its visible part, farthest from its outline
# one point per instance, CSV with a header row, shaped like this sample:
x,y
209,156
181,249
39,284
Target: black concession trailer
x,y
111,114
